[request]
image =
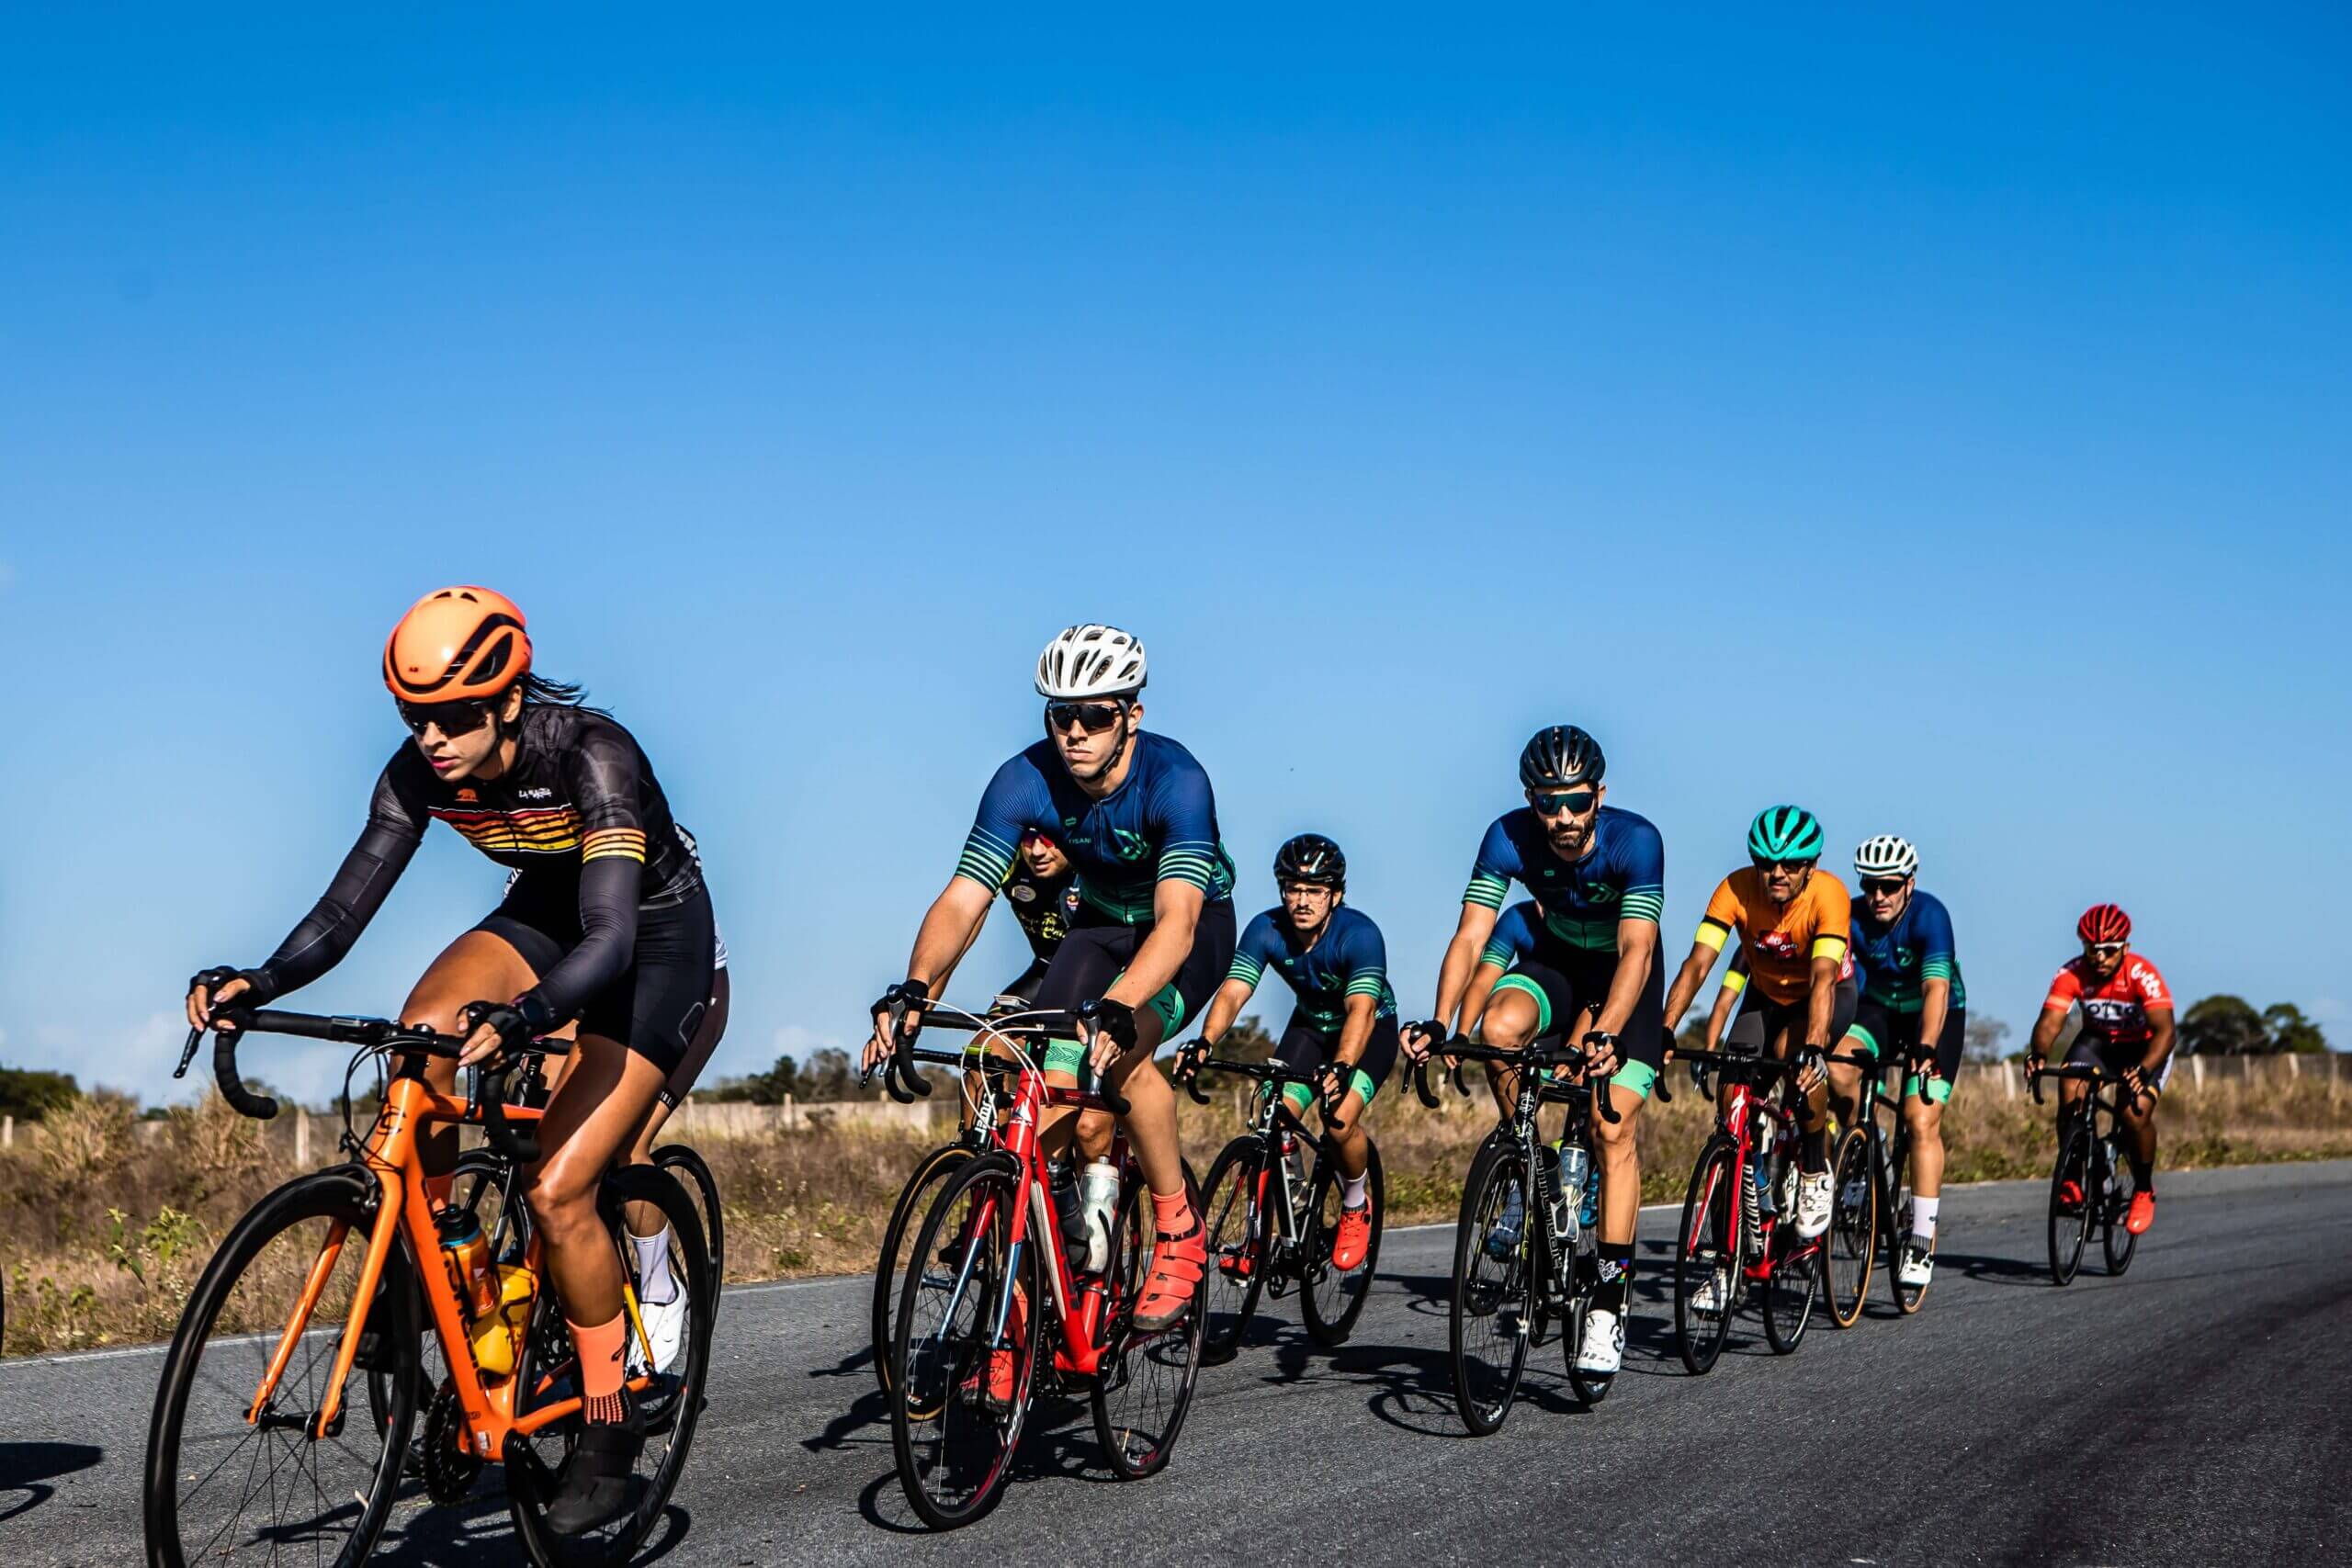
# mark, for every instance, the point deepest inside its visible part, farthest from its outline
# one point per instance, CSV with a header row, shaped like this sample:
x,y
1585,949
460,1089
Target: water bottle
x,y
1098,1200
1576,1215
465,1254
1294,1172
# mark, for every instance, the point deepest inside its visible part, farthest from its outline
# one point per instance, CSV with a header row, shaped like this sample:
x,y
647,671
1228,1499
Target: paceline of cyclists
x,y
1102,836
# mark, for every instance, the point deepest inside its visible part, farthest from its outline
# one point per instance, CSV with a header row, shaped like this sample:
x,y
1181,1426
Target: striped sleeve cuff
x,y
987,859
614,843
1486,890
1711,934
1189,863
1371,983
1643,904
1497,953
1245,969
1936,969
1829,947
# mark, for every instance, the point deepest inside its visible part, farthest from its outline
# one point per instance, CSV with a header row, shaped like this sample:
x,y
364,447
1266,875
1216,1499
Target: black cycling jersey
x,y
580,815
1042,905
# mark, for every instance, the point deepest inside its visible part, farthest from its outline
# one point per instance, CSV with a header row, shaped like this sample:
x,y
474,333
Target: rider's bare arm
x,y
1637,945
1821,1003
1355,1029
1175,914
2161,1035
1934,1006
1692,975
1453,976
949,928
1224,1008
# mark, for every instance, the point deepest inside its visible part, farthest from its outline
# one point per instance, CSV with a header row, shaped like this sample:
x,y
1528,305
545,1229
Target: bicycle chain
x,y
450,1468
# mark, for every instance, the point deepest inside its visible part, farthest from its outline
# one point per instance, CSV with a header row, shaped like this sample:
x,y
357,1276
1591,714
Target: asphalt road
x,y
2192,1412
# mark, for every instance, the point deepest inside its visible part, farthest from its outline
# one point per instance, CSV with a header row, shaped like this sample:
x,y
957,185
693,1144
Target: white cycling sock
x,y
656,1286
1352,1190
1923,1217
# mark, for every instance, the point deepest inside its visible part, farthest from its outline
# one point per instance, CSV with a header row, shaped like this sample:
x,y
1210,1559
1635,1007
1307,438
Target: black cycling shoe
x,y
595,1486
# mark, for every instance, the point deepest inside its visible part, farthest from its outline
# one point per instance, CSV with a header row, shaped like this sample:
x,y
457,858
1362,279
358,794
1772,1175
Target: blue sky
x,y
1940,424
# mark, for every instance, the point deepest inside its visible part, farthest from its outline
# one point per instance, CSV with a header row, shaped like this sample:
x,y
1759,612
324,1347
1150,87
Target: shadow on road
x,y
1999,1270
866,1423
29,1467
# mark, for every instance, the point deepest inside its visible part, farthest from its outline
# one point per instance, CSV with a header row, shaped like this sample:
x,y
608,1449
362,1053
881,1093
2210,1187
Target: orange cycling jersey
x,y
1781,944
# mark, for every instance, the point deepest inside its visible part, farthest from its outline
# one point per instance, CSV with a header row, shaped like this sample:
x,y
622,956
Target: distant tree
x,y
1247,1041
1984,1034
2224,1026
28,1094
2291,1031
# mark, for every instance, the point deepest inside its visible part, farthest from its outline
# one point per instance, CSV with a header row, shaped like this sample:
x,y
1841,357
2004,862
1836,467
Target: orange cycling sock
x,y
1172,1213
601,1349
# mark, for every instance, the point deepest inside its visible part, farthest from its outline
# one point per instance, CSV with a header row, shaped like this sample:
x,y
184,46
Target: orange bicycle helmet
x,y
457,645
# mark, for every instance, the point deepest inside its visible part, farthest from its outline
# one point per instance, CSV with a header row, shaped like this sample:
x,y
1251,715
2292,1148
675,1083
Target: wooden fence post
x,y
2197,1070
302,1137
8,1132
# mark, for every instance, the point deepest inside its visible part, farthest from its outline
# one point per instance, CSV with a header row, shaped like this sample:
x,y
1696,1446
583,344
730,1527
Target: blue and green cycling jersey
x,y
1621,875
1897,961
1348,959
1158,826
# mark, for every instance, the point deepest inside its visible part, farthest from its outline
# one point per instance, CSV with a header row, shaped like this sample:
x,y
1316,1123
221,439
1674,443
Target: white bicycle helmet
x,y
1886,855
1092,660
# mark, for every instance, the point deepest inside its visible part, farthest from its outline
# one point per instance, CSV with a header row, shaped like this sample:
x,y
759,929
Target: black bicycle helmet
x,y
1312,858
1560,757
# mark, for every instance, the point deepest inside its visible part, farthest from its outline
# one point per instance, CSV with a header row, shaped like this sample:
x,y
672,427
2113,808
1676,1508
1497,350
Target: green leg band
x,y
1862,1040
1637,1076
1066,1056
1171,1008
1542,1004
1297,1095
1935,1091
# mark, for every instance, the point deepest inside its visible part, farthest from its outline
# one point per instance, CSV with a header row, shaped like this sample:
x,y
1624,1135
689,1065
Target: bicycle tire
x,y
2069,1229
1849,1247
1332,1301
1138,1435
546,1349
928,1376
913,1206
1482,1398
331,1197
2117,1243
1707,1247
692,1172
1231,1200
1795,1281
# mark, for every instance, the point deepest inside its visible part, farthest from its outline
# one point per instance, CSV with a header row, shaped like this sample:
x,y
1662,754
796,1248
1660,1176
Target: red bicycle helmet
x,y
2104,922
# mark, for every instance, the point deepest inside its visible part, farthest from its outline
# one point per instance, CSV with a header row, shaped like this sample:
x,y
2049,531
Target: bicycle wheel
x,y
1796,1280
2120,1184
2070,1218
1237,1220
1851,1245
669,1384
891,1265
692,1172
1706,1257
1144,1386
1334,1298
219,1487
953,1441
1493,1302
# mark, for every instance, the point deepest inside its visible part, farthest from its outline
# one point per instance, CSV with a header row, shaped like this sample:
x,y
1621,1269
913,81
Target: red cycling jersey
x,y
2116,1011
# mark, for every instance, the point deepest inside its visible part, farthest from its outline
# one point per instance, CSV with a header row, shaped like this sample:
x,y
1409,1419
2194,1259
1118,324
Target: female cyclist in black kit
x,y
609,924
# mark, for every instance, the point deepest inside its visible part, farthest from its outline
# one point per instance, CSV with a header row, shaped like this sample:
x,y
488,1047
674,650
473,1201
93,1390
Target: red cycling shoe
x,y
1179,1263
2142,1214
1353,1240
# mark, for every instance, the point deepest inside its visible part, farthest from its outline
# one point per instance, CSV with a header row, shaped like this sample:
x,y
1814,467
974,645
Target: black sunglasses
x,y
1762,864
1575,802
453,718
1883,886
1091,717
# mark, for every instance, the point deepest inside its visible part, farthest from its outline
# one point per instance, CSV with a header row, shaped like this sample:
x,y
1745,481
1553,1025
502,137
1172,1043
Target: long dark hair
x,y
542,693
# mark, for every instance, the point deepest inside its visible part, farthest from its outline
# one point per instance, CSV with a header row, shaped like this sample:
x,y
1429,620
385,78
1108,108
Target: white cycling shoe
x,y
1813,1204
665,1327
1603,1350
1919,1266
